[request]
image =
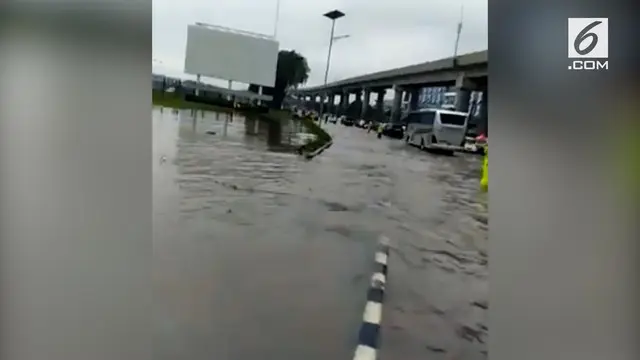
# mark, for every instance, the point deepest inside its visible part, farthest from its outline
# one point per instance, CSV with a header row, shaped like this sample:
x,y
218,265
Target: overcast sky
x,y
383,33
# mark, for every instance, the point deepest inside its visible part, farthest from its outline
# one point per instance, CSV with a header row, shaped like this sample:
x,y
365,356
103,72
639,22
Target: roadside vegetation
x,y
322,137
177,101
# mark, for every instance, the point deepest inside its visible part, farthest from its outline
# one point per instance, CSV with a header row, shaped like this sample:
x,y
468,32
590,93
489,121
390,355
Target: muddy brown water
x,y
259,253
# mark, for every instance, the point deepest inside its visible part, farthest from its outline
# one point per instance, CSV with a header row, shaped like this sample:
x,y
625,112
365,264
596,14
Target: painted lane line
x,y
372,313
369,333
365,353
378,280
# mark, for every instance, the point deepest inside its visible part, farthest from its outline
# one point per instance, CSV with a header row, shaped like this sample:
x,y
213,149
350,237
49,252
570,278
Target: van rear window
x,y
424,118
451,119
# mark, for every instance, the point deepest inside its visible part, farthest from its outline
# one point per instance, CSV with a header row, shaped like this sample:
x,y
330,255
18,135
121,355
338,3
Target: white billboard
x,y
229,54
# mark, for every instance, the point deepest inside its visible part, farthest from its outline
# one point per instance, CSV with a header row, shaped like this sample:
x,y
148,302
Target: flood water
x,y
260,254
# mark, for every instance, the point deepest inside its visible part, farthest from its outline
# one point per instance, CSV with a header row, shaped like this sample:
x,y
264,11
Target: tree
x,y
292,70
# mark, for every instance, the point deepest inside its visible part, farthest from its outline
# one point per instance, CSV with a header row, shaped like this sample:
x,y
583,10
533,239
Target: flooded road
x,y
259,254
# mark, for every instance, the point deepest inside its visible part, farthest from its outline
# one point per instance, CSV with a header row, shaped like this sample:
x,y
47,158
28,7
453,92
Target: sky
x,y
383,34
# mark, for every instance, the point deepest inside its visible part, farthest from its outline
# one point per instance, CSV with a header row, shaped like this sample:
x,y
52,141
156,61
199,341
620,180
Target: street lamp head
x,y
334,14
339,37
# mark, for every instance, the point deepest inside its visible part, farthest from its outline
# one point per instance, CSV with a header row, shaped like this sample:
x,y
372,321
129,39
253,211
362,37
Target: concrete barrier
x,y
369,334
318,151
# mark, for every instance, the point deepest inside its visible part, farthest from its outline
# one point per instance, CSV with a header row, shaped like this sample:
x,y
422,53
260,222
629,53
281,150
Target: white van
x,y
436,129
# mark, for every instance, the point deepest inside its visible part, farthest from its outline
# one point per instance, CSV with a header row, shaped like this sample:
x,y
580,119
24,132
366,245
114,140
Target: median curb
x,y
318,151
369,334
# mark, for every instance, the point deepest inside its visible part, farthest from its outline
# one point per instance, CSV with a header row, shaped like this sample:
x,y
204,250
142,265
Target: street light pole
x,y
326,70
458,32
275,25
333,15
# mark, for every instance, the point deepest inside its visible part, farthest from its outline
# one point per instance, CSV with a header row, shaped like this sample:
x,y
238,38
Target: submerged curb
x,y
369,335
318,151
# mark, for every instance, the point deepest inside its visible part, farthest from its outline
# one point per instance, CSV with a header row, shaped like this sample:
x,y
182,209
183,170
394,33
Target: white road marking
x,y
364,353
378,278
372,312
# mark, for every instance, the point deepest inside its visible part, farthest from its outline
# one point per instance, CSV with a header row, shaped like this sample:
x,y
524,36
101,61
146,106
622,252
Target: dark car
x,y
394,130
347,121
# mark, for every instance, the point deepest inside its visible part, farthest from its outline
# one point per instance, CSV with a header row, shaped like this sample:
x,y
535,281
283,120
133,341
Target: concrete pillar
x,y
380,98
379,107
463,97
463,88
332,103
380,101
323,103
397,102
344,103
483,123
413,101
358,100
365,102
463,82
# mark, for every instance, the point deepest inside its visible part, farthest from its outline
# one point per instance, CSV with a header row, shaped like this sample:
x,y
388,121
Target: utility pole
x,y
459,31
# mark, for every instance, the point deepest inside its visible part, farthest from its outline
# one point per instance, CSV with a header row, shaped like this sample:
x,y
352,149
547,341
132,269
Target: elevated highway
x,y
465,73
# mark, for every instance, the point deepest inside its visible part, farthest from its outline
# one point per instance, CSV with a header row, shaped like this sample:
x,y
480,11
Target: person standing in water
x,y
484,180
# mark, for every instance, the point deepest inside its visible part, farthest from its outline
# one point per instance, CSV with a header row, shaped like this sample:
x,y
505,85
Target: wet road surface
x,y
260,254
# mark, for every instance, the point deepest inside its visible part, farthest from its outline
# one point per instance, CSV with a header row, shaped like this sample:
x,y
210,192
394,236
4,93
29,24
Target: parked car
x,y
361,123
333,119
347,121
394,130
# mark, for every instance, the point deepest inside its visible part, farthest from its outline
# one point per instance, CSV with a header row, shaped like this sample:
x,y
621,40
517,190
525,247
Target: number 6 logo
x,y
584,35
588,38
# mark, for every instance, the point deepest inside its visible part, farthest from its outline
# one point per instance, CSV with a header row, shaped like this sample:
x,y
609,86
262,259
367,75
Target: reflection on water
x,y
278,136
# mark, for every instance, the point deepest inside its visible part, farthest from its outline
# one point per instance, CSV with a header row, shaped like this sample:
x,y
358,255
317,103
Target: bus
x,y
436,129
